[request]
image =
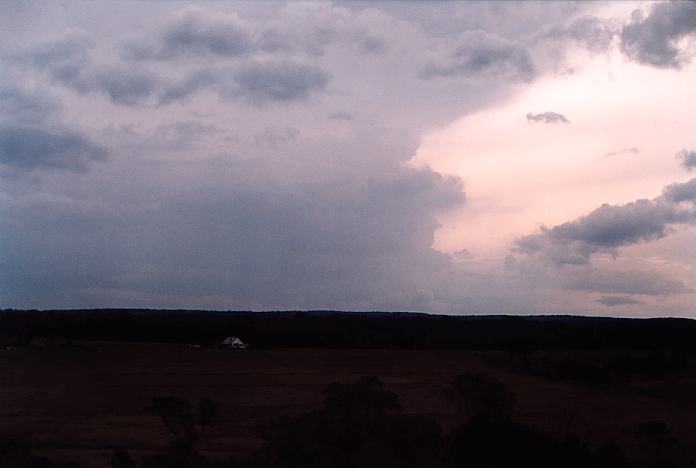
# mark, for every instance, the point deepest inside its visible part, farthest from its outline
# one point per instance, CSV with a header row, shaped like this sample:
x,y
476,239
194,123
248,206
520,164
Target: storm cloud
x,y
353,243
266,156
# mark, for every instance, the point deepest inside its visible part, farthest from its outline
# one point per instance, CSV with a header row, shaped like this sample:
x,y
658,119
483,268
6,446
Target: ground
x,y
84,402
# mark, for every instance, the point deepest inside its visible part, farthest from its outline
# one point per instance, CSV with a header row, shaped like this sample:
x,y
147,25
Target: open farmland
x,y
82,403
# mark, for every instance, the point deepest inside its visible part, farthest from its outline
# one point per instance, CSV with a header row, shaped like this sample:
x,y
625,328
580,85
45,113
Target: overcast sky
x,y
464,158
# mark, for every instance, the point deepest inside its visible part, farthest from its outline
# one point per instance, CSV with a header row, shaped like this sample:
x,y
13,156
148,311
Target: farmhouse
x,y
232,342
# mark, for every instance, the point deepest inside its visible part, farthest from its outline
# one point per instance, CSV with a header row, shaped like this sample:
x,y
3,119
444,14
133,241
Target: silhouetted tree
x,y
360,426
480,395
185,424
366,398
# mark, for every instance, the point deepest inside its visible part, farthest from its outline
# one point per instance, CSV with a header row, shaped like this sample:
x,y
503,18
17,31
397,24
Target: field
x,y
84,402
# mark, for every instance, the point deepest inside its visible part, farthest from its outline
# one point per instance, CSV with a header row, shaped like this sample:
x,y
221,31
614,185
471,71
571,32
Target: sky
x,y
444,157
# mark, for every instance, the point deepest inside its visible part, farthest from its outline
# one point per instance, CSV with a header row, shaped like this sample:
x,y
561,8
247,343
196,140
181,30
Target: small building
x,y
232,342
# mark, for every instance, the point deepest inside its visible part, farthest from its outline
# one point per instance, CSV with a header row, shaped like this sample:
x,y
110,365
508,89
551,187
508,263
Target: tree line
x,y
329,329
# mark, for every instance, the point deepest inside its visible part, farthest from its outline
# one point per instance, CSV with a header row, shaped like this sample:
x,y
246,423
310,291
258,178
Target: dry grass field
x,y
82,403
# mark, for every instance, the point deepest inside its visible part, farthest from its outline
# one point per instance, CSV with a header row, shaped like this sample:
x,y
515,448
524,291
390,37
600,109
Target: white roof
x,y
232,340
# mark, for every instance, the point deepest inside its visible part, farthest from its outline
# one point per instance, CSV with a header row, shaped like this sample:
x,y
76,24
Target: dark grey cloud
x,y
687,159
595,34
21,106
188,86
653,40
612,226
256,82
122,85
369,43
277,81
547,118
66,60
483,53
612,301
32,136
195,33
682,192
33,148
604,229
616,226
125,86
560,253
